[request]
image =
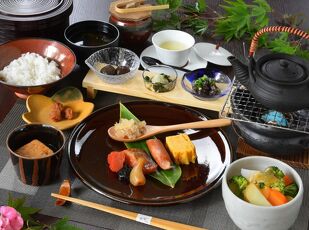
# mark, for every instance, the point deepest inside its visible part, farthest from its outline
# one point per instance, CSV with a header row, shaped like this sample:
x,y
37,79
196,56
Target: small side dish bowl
x,y
38,170
87,37
173,46
221,80
40,108
160,78
50,49
253,217
116,57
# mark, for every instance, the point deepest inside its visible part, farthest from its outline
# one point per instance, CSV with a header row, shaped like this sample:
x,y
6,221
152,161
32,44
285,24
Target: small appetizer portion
x,y
116,161
182,149
131,165
159,153
205,86
270,187
160,82
111,70
34,149
60,112
130,129
137,177
132,156
64,190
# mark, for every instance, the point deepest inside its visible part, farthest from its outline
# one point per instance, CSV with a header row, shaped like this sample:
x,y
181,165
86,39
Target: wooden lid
x,y
138,16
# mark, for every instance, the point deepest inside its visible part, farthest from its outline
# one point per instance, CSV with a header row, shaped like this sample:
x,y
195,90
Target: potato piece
x,y
254,196
263,177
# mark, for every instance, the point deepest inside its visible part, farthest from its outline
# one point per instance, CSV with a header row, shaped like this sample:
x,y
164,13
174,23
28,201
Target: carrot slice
x,y
266,192
116,161
287,180
65,190
276,198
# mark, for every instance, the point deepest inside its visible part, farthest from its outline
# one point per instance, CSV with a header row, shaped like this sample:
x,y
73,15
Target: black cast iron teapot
x,y
278,81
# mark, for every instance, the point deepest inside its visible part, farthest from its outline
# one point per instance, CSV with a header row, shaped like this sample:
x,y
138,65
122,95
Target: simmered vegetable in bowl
x,y
206,83
160,78
270,187
262,193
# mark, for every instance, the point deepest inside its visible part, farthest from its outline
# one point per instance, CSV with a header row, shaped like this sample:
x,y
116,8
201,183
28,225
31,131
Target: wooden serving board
x,y
295,160
135,87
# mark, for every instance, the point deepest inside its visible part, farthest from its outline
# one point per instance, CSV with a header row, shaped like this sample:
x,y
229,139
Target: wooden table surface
x,y
98,10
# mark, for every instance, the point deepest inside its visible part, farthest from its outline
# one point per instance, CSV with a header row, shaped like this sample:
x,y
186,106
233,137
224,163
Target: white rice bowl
x,y
29,70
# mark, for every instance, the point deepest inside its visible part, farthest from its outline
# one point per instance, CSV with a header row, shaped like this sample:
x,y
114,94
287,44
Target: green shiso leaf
x,y
167,177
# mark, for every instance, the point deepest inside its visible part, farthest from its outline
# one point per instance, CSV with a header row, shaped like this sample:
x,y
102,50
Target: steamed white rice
x,y
30,69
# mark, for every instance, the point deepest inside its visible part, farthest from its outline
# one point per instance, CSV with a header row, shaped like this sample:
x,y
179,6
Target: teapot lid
x,y
282,68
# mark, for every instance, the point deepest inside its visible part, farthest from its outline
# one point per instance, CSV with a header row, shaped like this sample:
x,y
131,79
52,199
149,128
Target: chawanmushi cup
x,y
40,170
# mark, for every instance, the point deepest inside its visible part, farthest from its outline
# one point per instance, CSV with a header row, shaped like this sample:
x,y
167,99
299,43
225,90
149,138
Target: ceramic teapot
x,y
278,81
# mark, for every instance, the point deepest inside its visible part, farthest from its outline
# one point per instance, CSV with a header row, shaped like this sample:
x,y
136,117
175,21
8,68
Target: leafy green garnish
x,y
167,177
205,86
26,213
242,19
282,44
261,185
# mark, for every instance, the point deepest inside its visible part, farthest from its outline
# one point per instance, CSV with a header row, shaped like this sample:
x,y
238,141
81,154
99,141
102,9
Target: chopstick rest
x,y
153,221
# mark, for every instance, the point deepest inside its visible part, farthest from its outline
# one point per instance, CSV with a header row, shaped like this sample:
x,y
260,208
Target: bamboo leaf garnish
x,y
167,177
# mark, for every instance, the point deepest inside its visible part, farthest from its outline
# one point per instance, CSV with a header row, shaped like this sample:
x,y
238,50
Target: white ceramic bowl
x,y
177,57
252,217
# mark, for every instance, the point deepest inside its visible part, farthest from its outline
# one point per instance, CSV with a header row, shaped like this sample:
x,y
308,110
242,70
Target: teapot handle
x,y
270,29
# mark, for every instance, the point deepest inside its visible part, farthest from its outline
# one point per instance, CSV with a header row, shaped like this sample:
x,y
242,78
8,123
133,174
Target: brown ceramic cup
x,y
40,170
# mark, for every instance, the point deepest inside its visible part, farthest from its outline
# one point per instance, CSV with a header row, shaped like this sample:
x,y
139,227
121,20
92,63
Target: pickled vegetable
x,y
205,86
137,177
160,83
64,190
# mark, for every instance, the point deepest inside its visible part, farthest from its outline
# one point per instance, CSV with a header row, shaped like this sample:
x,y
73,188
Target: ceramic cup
x,y
41,170
252,217
173,46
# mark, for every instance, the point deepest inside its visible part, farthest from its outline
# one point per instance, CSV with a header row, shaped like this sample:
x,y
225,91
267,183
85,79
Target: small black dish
x,y
87,37
39,170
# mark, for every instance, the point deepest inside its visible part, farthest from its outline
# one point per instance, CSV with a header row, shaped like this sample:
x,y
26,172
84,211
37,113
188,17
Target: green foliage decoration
x,y
236,20
30,223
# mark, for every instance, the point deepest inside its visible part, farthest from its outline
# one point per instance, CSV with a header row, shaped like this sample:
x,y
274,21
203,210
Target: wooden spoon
x,y
153,130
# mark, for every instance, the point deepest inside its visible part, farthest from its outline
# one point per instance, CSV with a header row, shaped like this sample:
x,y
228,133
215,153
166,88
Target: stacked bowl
x,y
34,18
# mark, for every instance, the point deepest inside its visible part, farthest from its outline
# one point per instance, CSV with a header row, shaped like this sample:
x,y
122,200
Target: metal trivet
x,y
241,106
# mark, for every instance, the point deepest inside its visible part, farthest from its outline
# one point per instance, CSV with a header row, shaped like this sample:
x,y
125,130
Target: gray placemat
x,y
207,211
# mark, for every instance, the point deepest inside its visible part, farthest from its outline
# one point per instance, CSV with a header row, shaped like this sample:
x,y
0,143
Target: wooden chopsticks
x,y
153,221
121,7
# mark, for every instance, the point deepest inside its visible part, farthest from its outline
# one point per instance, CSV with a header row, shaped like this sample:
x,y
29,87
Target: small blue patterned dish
x,y
116,57
222,83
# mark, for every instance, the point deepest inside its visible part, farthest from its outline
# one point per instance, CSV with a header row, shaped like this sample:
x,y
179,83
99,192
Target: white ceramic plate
x,y
208,52
194,61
